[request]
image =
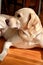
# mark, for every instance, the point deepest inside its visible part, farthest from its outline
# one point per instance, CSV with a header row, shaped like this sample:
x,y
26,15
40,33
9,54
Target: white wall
x,y
0,6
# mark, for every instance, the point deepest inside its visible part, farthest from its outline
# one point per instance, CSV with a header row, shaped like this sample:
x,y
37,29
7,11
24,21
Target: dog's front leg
x,y
5,50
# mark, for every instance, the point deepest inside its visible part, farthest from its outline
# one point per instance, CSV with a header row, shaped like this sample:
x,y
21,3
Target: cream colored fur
x,y
24,31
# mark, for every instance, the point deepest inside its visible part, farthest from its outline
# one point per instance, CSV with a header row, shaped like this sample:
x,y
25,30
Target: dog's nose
x,y
7,21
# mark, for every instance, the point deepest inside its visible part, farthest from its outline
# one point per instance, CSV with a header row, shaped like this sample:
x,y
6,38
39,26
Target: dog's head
x,y
25,16
28,18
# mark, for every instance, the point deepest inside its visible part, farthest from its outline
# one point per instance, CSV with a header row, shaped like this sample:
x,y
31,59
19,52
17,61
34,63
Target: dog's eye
x,y
18,15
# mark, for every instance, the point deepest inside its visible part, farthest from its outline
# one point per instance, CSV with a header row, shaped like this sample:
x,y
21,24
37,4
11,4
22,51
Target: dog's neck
x,y
29,34
4,30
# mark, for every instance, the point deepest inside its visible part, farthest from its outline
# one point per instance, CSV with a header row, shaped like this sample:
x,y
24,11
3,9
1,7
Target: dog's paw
x,y
1,57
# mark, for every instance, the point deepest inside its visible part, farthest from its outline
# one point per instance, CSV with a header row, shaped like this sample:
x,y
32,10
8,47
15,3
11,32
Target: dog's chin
x,y
14,26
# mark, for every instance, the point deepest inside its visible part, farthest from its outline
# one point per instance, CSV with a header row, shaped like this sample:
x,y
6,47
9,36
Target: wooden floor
x,y
21,56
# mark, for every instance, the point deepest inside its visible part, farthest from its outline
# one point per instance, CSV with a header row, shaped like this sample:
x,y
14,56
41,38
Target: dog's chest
x,y
9,33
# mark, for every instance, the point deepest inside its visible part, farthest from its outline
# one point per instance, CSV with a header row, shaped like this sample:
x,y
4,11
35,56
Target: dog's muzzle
x,y
13,23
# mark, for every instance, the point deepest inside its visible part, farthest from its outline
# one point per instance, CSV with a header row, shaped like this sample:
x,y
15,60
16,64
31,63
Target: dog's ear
x,y
31,19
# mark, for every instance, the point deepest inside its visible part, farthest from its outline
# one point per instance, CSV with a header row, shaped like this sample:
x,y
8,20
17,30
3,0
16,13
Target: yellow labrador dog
x,y
24,30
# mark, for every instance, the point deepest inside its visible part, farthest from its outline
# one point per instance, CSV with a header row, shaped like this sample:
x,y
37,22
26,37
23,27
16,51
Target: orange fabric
x,y
21,56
